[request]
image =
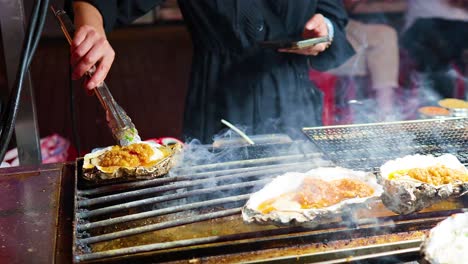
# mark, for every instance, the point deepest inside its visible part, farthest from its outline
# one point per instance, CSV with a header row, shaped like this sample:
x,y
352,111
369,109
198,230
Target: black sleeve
x,y
116,13
340,49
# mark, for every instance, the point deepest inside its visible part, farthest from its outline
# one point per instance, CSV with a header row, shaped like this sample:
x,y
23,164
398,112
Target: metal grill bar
x,y
221,166
110,209
159,226
185,184
187,181
276,235
164,211
123,186
352,255
160,246
251,162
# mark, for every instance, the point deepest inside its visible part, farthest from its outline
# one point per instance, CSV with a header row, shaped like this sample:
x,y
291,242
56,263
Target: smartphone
x,y
287,44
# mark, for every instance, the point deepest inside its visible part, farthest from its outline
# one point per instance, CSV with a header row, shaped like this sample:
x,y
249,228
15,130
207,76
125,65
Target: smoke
x,y
230,161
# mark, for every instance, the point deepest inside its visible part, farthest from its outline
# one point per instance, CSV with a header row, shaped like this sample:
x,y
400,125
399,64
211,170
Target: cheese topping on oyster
x,y
425,168
134,155
310,197
435,175
316,193
109,159
137,160
414,182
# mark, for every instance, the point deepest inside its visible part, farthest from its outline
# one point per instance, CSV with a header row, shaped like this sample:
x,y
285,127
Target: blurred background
x,y
383,82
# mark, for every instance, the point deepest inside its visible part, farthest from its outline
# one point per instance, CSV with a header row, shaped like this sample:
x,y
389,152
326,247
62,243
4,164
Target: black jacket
x,y
232,77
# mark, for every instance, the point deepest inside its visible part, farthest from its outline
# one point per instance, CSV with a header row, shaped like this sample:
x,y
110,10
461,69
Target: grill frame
x,y
238,244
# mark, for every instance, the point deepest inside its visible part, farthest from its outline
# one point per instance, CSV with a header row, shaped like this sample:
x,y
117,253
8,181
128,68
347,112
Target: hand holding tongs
x,y
121,125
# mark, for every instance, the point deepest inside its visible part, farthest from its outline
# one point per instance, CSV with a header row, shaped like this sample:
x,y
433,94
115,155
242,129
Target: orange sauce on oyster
x,y
316,193
129,156
435,175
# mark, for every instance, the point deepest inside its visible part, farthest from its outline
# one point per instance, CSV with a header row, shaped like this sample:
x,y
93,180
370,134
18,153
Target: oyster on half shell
x,y
415,182
447,242
310,198
141,160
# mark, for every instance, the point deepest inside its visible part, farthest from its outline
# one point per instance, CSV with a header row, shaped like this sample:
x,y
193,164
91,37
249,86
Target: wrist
x,y
87,14
330,28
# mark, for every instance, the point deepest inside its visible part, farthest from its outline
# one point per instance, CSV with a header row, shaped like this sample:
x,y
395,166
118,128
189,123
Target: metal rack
x,y
194,213
368,146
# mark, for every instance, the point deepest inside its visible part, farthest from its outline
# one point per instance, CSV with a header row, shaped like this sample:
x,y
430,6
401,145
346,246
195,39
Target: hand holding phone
x,y
294,45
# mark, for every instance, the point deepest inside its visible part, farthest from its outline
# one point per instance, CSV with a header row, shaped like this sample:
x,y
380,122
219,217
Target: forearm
x,y
89,47
111,14
87,14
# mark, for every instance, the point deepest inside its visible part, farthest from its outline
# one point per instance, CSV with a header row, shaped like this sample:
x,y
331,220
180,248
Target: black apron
x,y
233,78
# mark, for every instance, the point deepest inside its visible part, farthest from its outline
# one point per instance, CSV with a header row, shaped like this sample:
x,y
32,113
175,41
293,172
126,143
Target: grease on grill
x,y
313,248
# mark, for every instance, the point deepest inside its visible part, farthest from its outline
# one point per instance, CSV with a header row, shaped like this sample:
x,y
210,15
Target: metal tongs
x,y
121,125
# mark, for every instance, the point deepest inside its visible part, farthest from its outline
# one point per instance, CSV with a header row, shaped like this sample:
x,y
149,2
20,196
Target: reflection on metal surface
x,y
12,23
29,210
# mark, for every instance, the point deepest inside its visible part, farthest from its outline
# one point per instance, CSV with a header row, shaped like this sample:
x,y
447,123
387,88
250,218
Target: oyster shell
x,y
447,242
406,195
159,163
290,212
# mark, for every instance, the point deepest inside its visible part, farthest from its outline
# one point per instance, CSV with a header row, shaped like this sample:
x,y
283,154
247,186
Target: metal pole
x,y
12,25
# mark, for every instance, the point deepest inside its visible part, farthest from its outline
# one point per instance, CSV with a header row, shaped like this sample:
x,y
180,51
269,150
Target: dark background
x,y
148,79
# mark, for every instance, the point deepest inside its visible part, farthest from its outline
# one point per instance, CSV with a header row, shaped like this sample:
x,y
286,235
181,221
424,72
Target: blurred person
x,y
232,77
435,36
377,56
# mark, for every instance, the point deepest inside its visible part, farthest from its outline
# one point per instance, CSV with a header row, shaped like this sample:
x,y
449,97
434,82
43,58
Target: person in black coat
x,y
233,77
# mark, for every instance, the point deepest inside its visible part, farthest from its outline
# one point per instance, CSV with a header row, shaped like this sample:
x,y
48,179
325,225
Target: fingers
x,y
82,42
310,51
315,27
80,35
79,53
101,71
314,22
88,92
91,48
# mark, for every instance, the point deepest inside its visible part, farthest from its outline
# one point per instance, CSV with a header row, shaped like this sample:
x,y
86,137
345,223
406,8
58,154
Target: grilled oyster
x,y
448,241
137,161
415,182
308,198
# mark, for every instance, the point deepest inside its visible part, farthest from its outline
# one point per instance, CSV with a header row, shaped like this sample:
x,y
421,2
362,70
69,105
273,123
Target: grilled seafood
x,y
308,198
316,193
410,188
448,241
137,161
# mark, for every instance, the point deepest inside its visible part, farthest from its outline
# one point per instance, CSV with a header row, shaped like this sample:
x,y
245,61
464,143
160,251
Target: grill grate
x,y
368,146
195,211
115,220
